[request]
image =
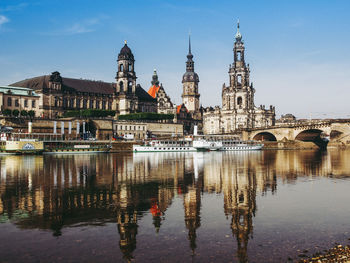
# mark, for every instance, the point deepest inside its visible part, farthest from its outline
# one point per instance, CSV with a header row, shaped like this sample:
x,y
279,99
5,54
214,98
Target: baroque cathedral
x,y
238,110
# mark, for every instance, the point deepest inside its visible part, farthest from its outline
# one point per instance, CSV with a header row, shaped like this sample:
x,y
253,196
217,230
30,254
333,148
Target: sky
x,y
298,51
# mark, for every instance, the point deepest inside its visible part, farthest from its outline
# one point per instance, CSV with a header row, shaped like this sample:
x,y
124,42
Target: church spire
x,y
238,34
189,62
189,56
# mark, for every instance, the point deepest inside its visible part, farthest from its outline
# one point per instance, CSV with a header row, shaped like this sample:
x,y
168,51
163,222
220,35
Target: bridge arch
x,y
264,136
336,134
309,135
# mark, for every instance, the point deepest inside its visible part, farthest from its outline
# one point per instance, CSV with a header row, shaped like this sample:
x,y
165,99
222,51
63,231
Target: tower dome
x,y
125,53
190,77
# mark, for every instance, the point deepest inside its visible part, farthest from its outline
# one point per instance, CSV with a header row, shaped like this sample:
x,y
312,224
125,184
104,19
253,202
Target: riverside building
x,y
59,94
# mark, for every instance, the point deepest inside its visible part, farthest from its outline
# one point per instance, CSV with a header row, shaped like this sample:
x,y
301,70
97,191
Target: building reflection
x,y
53,192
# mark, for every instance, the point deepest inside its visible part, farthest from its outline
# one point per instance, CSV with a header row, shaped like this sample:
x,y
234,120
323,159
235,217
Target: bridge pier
x,y
321,143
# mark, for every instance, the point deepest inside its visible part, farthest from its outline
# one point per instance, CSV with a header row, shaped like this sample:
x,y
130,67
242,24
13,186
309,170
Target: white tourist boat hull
x,y
141,148
241,147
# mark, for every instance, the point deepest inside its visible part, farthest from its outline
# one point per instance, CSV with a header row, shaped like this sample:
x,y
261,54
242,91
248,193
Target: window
x,y
239,79
239,101
97,104
78,103
121,67
84,104
65,102
241,198
121,86
109,105
9,101
16,103
239,56
56,102
71,103
33,103
25,103
103,105
130,67
130,86
91,104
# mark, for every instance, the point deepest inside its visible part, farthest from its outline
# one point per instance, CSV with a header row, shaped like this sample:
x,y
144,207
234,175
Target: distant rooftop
x,y
18,91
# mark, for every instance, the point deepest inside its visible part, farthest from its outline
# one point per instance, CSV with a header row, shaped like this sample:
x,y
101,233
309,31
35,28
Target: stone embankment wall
x,y
122,146
286,145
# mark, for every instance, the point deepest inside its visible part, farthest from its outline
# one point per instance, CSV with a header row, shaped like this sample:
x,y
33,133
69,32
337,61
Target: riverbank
x,y
337,254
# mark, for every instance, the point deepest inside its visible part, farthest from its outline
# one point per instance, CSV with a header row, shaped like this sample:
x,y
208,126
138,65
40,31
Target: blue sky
x,y
298,51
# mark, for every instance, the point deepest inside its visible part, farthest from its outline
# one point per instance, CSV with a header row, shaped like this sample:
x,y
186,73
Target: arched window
x,y
239,101
121,67
78,104
239,55
121,86
71,103
130,67
239,79
130,86
65,102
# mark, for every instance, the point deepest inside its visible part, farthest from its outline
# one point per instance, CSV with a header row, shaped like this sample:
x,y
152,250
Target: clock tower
x,y
190,95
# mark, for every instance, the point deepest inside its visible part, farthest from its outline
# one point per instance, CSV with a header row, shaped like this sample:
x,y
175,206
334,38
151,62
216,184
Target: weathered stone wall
x,y
165,128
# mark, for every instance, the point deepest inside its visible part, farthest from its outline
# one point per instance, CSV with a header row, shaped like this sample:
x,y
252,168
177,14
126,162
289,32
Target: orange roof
x,y
178,108
153,90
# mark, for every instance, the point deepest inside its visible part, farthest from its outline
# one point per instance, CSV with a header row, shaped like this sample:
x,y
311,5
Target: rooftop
x,y
21,91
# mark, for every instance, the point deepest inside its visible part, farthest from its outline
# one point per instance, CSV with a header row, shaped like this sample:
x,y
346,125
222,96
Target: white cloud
x,y
14,7
82,27
3,20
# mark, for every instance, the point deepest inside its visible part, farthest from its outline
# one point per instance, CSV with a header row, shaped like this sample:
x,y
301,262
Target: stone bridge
x,y
338,130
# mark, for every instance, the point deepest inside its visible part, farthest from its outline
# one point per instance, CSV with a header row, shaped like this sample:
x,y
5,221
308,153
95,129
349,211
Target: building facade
x,y
142,130
18,98
164,104
60,94
238,110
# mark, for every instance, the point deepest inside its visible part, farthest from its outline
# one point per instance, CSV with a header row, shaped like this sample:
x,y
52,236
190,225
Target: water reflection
x,y
53,192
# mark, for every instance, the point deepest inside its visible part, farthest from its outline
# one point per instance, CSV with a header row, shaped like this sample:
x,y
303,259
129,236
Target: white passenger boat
x,y
165,146
237,145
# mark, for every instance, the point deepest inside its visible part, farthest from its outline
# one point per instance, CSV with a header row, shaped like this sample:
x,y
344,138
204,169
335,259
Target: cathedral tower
x,y
239,78
190,95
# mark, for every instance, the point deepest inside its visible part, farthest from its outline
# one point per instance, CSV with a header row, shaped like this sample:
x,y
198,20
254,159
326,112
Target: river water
x,y
261,206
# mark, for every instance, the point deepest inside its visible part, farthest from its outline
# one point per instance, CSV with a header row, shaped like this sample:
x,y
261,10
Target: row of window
x,y
76,103
121,67
16,103
131,127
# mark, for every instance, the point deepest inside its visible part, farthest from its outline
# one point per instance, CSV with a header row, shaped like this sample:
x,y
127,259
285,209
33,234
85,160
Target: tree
x,y
24,113
31,114
15,113
7,112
